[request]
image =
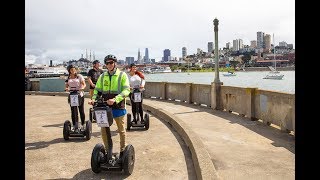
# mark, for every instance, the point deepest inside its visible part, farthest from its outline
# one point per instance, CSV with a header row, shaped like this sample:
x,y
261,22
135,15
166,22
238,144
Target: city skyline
x,y
63,30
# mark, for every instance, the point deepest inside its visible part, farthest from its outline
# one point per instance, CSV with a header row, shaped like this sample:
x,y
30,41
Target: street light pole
x,y
216,51
216,101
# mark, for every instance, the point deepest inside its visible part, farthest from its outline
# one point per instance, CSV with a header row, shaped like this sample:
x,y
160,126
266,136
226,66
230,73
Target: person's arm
x,y
89,78
125,89
82,83
98,88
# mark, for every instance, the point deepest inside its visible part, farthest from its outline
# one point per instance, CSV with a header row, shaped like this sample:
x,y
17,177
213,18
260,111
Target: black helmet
x,y
132,64
95,62
110,57
69,67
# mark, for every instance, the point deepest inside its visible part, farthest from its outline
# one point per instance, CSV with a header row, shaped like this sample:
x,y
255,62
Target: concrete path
x,y
239,148
213,144
160,152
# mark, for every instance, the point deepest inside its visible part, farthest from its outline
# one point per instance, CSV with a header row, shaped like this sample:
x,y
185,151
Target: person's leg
x,y
104,138
141,110
74,116
91,93
81,110
133,107
122,132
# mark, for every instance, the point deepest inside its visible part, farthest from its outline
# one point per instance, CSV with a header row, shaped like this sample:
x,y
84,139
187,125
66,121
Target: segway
x,y
136,96
68,131
109,161
92,117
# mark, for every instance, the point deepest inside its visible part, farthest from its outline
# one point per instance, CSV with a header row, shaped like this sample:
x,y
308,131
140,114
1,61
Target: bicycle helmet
x,y
95,62
110,57
69,67
132,64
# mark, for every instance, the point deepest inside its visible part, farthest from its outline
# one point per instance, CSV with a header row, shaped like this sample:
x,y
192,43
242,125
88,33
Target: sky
x,y
61,30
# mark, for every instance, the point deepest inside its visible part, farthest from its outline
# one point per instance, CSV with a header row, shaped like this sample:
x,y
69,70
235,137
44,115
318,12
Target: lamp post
x,y
216,102
216,51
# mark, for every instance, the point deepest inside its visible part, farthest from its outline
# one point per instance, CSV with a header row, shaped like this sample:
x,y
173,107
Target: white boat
x,y
229,74
47,71
274,74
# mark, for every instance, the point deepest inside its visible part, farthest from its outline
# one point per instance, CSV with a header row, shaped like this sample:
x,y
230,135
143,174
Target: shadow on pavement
x,y
89,175
279,138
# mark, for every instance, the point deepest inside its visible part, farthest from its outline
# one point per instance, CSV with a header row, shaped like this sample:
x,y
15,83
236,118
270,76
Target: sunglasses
x,y
109,62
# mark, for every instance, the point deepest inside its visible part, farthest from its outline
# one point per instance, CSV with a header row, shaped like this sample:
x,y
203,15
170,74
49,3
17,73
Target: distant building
x,y
166,54
129,60
139,57
253,44
184,52
267,43
260,37
210,47
235,45
146,56
228,45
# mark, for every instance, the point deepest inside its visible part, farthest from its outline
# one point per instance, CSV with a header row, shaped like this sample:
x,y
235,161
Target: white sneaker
x,y
82,127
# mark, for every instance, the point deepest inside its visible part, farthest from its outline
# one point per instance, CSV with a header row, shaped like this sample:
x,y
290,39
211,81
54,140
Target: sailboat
x,y
274,74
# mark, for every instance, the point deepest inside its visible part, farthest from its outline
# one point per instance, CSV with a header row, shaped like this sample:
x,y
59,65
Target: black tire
x,y
146,121
129,123
128,160
97,152
88,130
91,115
66,130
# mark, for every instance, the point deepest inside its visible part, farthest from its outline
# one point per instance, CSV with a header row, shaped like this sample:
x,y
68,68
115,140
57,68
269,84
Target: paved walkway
x,y
222,145
238,148
160,153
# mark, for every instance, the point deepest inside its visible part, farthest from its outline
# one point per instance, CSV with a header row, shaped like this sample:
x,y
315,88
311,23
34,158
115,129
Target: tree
x,y
234,64
246,58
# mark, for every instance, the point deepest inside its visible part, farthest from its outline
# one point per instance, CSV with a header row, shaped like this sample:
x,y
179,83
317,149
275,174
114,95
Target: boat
x,y
274,74
38,72
229,73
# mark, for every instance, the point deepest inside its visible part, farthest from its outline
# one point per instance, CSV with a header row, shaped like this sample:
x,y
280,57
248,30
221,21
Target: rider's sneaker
x,y
82,128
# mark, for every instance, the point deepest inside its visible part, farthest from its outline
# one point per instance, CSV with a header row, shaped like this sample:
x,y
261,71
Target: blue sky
x,y
61,30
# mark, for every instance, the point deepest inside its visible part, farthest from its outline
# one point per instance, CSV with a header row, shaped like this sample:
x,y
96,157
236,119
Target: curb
x,y
201,159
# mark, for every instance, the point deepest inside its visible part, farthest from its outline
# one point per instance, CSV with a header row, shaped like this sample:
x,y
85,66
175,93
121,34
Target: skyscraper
x,y
146,56
210,47
139,57
260,37
267,43
184,52
166,55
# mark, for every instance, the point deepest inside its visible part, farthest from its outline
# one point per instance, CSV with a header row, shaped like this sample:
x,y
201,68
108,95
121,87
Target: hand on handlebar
x,y
90,102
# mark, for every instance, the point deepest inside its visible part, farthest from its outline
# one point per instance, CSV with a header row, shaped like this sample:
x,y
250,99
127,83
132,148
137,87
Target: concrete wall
x,y
269,106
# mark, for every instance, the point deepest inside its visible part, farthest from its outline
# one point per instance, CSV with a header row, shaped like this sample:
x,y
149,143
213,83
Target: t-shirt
x,y
94,75
75,83
135,81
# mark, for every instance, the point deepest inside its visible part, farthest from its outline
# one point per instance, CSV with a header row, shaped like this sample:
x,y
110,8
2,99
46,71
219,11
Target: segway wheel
x,y
128,159
97,153
90,115
88,130
66,130
129,121
146,121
